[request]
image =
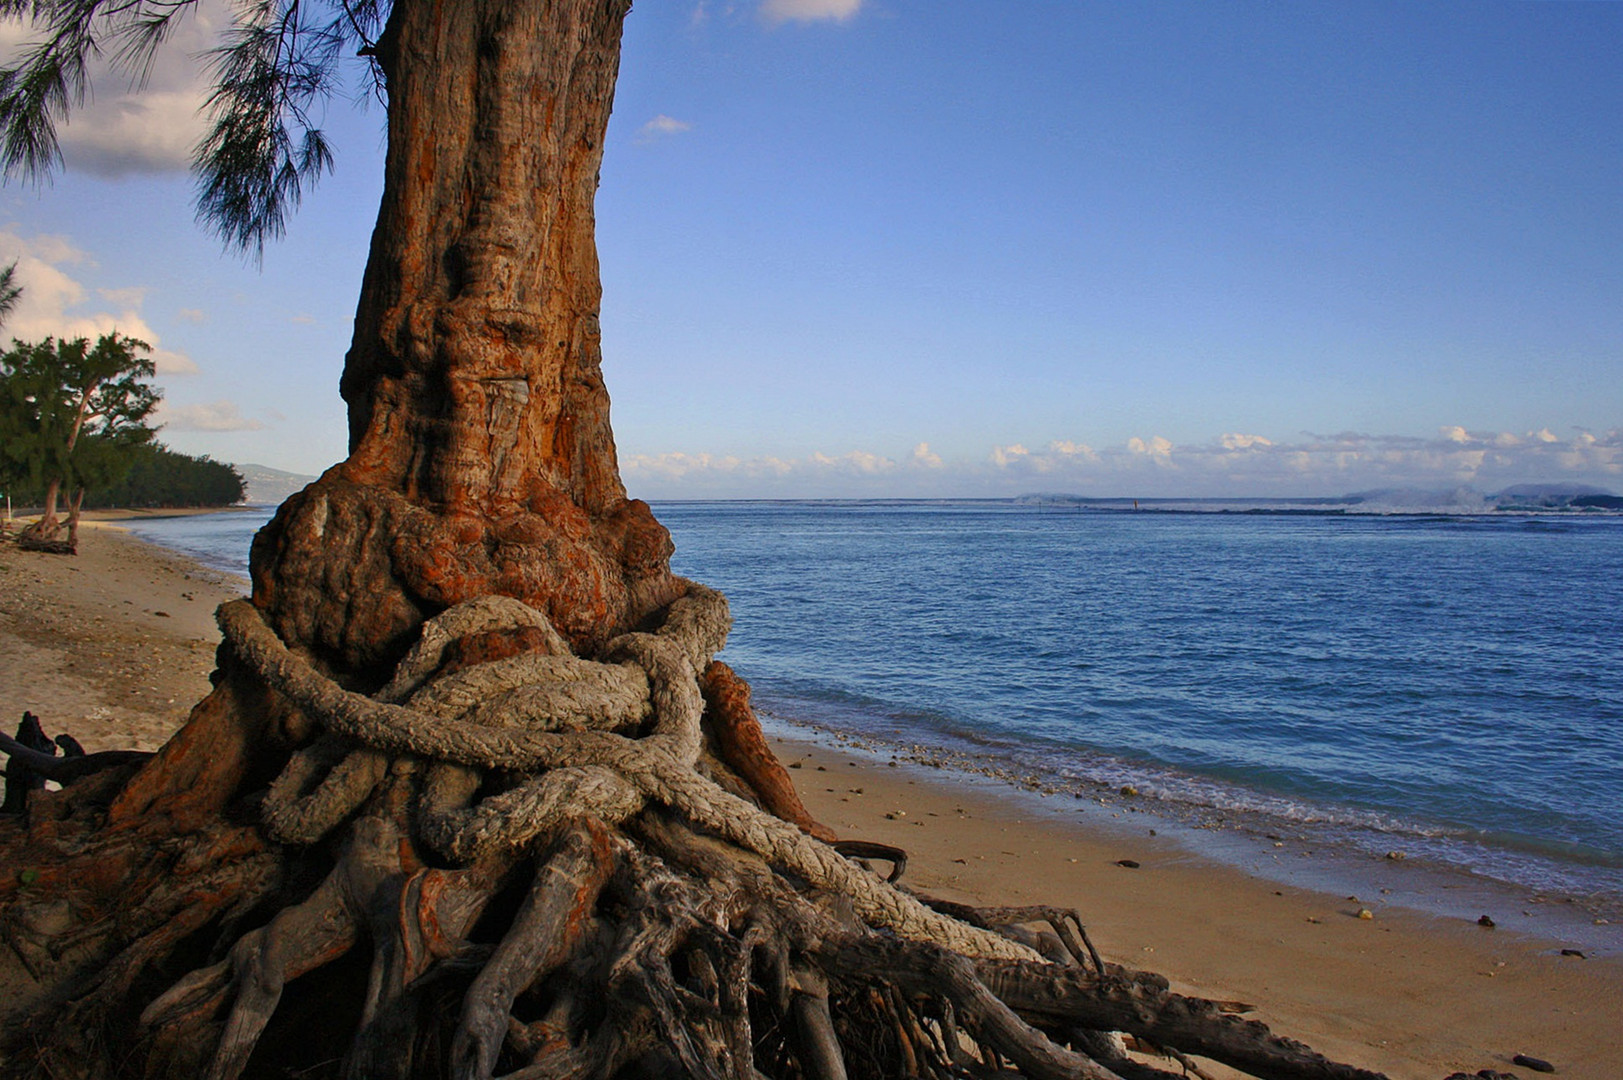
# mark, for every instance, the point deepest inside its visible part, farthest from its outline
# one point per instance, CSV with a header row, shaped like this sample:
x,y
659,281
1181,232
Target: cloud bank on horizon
x,y
1233,465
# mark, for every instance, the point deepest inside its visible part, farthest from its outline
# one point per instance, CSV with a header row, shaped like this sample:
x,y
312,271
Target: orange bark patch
x,y
199,770
740,743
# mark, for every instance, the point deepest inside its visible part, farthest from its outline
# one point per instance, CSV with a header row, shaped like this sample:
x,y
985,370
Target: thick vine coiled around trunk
x,y
573,723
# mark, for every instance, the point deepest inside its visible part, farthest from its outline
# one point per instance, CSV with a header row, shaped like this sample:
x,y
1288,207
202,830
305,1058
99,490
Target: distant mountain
x,y
1549,494
268,486
1519,498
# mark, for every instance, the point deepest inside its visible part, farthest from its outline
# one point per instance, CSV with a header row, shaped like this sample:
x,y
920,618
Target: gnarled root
x,y
553,866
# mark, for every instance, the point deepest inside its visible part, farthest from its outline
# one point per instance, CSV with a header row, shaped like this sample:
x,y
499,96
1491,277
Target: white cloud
x,y
147,128
170,362
924,458
780,11
136,132
1065,448
1157,448
53,301
677,465
132,297
1004,456
219,415
662,126
1229,465
675,472
195,316
48,290
857,461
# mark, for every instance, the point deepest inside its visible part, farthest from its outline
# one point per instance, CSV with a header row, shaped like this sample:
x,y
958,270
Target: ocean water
x,y
219,541
1299,692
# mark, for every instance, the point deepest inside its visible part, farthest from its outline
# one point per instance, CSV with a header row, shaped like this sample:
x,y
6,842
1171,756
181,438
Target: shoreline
x,y
115,645
1411,994
22,515
1301,853
155,513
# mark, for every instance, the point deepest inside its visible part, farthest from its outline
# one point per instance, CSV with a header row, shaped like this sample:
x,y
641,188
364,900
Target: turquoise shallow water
x,y
1447,686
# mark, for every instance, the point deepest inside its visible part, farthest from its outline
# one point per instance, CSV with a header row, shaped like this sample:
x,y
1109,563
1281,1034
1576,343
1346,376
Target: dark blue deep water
x,y
1450,687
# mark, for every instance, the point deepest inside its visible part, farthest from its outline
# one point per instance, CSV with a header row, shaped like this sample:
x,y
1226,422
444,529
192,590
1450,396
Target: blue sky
x,y
892,248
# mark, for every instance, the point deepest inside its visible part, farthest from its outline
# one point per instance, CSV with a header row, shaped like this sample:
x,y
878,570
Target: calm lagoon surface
x,y
1298,692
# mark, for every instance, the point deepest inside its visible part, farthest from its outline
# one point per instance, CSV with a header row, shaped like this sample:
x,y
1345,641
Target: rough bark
x,y
42,531
481,456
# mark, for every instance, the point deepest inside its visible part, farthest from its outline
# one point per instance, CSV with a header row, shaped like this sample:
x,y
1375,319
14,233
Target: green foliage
x,y
278,67
77,414
10,292
71,412
156,476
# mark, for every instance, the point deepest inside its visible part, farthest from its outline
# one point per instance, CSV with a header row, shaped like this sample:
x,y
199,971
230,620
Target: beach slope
x,y
1410,994
114,645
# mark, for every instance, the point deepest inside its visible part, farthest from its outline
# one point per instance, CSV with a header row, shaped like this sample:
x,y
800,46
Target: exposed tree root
x,y
31,761
559,867
47,544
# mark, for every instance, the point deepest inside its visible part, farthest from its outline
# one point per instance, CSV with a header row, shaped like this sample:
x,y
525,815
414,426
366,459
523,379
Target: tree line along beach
x,y
115,645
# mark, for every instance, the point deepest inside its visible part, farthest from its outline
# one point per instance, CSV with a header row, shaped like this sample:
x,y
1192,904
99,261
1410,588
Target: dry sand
x,y
115,645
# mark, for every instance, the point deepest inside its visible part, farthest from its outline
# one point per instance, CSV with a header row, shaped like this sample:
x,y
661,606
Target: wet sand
x,y
114,646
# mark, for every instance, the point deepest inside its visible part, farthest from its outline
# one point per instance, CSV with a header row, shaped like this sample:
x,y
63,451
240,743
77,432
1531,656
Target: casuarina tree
x,y
11,291
72,414
471,796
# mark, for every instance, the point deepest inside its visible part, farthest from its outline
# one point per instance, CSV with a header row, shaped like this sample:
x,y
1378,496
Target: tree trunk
x,y
45,529
74,506
46,525
481,460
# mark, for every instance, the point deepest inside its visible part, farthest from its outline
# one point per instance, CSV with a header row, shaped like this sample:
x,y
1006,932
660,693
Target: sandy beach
x,y
115,645
1406,993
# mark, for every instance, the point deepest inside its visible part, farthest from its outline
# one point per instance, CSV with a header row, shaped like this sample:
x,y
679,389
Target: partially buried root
x,y
560,876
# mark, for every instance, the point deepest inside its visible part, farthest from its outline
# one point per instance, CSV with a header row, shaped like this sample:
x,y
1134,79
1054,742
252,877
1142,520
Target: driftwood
x,y
542,866
27,754
31,761
47,545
